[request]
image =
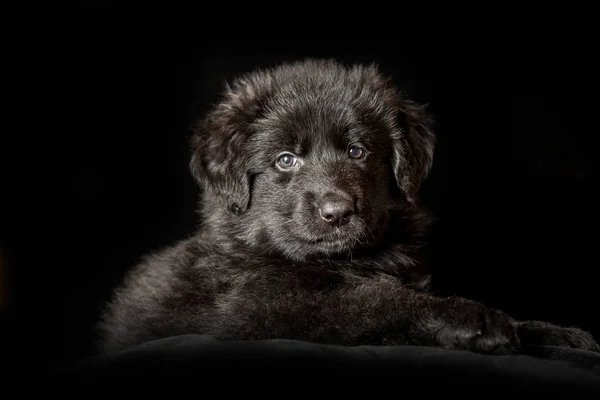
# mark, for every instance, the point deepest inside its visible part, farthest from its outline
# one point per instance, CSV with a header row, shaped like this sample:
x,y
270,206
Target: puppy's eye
x,y
287,161
356,152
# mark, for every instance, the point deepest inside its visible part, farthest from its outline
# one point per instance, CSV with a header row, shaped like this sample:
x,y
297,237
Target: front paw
x,y
546,334
472,326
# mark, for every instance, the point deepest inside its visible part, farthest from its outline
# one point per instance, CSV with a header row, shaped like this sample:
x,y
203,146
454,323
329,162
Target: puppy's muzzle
x,y
336,209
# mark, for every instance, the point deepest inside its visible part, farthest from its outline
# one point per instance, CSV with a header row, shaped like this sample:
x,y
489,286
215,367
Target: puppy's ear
x,y
219,162
413,147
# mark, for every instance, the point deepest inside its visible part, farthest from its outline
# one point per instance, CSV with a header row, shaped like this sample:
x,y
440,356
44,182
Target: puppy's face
x,y
325,181
311,159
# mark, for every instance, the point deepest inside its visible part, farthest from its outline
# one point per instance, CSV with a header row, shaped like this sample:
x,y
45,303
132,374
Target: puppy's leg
x,y
372,311
451,322
546,334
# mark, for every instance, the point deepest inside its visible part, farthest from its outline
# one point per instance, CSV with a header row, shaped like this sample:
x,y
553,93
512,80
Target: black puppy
x,y
310,227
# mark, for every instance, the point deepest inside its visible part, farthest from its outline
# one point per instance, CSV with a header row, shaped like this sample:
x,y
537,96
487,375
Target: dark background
x,y
98,175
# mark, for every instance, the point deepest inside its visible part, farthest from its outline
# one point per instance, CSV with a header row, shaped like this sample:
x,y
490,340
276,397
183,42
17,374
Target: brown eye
x,y
356,152
286,161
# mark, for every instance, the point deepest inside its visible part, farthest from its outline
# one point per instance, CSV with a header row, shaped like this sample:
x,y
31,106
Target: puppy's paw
x,y
474,327
546,334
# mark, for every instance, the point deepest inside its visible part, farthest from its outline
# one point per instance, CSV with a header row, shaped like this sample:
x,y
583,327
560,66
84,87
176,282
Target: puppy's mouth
x,y
330,246
331,242
338,235
335,240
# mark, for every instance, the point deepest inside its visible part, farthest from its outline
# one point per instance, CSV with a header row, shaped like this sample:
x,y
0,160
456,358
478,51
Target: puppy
x,y
310,227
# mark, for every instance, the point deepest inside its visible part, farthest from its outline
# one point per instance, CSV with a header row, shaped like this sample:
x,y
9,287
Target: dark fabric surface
x,y
541,369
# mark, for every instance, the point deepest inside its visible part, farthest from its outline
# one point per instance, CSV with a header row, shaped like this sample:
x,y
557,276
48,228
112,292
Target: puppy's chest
x,y
282,283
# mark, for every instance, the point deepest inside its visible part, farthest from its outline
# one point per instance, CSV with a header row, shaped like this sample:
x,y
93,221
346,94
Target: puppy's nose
x,y
336,209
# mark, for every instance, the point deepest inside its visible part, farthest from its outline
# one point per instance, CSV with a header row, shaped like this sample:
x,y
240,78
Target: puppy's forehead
x,y
309,121
316,122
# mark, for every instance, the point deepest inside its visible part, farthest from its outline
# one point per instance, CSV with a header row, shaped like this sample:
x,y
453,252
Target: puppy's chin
x,y
302,251
305,243
333,248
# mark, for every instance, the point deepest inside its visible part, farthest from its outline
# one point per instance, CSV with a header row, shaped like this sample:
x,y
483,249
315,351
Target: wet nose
x,y
336,209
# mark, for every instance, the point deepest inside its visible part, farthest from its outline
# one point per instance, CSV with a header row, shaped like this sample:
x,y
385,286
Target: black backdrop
x,y
100,175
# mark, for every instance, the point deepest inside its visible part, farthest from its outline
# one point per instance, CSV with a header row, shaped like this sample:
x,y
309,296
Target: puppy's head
x,y
311,158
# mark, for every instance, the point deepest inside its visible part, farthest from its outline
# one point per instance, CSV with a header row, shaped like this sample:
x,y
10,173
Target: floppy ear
x,y
413,147
219,163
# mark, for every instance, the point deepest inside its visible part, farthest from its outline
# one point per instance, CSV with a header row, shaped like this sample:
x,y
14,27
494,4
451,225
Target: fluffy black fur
x,y
310,227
